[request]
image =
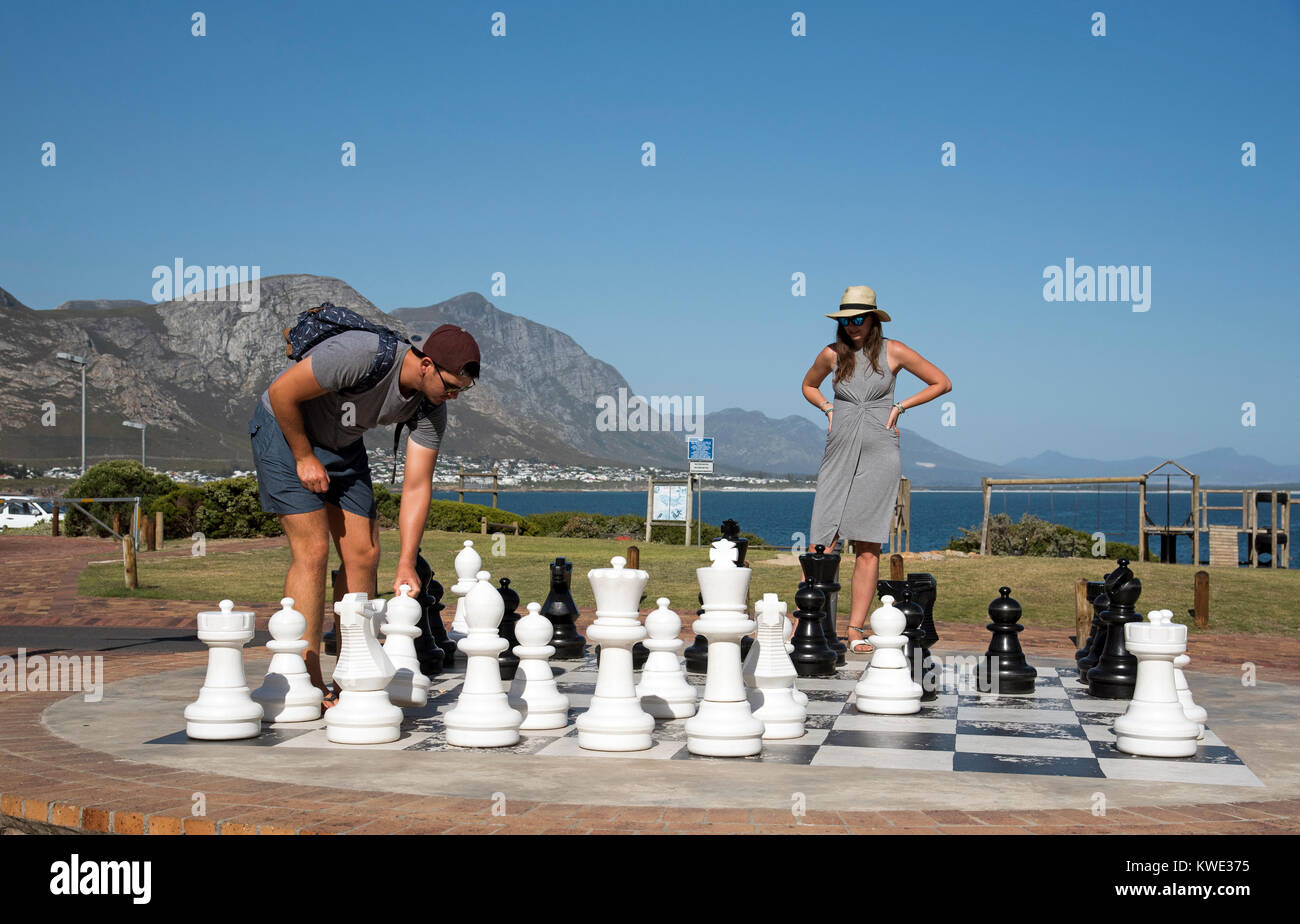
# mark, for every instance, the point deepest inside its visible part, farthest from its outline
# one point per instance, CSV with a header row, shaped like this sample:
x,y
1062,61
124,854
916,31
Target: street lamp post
x,y
81,361
141,428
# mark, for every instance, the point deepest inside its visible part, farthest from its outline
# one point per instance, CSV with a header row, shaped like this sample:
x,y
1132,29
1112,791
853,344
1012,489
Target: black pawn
x,y
1097,639
560,609
697,655
812,657
432,647
918,656
1094,590
925,590
508,660
1003,669
821,569
1115,675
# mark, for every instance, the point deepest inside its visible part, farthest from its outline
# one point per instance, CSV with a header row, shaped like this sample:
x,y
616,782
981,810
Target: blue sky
x,y
775,155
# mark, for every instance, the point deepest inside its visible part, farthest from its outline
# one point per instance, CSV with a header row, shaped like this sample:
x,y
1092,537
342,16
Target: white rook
x,y
724,725
664,690
364,714
615,720
1155,725
482,717
225,709
287,693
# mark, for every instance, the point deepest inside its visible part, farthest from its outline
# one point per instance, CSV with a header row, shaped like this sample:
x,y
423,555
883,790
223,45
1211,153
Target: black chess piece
x,y
1115,674
822,568
919,661
812,657
1003,669
330,640
697,655
432,646
1094,590
508,661
560,609
1098,639
925,590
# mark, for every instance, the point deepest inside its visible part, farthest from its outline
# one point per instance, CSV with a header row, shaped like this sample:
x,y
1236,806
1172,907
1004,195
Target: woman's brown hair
x,y
845,360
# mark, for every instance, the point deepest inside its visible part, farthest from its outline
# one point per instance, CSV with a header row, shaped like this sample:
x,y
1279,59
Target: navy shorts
x,y
277,472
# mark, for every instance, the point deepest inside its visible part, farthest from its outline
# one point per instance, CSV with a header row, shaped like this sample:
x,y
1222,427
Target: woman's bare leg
x,y
866,570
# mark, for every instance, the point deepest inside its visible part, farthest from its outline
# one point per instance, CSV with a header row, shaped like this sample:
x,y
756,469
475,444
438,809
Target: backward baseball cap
x,y
452,348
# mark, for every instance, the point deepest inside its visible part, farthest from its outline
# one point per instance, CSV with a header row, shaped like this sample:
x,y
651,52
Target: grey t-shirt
x,y
339,363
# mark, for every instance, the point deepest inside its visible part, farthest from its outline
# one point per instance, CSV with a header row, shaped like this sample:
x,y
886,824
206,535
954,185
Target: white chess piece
x,y
409,686
533,693
774,674
1155,725
887,687
664,690
467,565
1193,712
482,717
287,693
724,726
615,721
787,633
225,710
364,714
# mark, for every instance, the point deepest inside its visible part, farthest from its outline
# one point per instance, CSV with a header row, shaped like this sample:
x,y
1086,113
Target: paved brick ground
x,y
47,781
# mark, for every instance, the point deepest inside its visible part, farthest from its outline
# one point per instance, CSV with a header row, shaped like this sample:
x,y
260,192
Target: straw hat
x,y
858,300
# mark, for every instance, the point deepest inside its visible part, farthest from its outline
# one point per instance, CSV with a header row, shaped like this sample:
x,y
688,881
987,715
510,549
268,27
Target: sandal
x,y
866,648
330,698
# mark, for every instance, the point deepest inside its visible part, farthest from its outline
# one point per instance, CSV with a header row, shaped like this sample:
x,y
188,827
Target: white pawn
x,y
482,717
224,710
787,633
467,565
287,693
614,720
663,690
364,714
1155,725
1193,712
533,691
774,674
887,687
409,686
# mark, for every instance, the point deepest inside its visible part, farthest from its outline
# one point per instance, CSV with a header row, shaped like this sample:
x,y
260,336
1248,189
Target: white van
x,y
19,513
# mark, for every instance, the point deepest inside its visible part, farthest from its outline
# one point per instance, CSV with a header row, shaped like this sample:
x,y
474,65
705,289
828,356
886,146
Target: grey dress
x,y
857,484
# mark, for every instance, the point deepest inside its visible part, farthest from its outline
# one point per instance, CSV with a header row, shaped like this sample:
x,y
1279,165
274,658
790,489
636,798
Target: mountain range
x,y
193,369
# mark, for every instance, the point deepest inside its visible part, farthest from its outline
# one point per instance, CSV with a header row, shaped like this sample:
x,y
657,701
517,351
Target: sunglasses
x,y
855,321
452,389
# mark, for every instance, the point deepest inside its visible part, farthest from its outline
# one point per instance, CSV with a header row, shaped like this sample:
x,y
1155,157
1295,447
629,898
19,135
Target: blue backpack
x,y
318,324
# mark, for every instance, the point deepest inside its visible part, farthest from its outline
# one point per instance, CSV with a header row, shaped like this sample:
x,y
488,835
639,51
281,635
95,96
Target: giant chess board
x,y
1058,730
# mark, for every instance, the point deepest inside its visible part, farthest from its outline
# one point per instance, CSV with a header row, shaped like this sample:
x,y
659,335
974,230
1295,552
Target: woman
x,y
857,485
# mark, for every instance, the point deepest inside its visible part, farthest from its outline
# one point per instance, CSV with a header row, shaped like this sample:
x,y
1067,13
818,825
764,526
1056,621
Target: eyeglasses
x,y
452,389
855,321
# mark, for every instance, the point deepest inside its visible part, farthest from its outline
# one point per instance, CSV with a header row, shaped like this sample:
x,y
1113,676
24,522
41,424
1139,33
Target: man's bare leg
x,y
357,540
309,545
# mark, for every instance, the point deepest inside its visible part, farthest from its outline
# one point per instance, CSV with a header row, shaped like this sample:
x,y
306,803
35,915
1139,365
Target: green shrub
x,y
180,510
464,518
1035,536
231,509
115,478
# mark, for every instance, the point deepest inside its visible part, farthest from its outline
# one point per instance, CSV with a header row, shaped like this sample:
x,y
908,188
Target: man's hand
x,y
406,575
312,474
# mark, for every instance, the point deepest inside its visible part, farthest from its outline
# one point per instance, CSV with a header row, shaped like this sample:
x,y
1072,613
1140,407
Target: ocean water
x,y
779,516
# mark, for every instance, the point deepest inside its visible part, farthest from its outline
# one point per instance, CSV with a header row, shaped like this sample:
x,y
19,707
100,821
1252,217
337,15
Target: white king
x,y
615,720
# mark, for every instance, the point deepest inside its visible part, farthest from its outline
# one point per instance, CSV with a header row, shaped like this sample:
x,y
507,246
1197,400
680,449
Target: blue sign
x,y
699,449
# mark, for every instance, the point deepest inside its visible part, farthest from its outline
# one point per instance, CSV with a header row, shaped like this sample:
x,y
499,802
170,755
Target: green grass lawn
x,y
1245,600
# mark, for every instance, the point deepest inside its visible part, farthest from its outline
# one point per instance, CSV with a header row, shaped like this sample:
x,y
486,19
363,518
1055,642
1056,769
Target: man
x,y
312,468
